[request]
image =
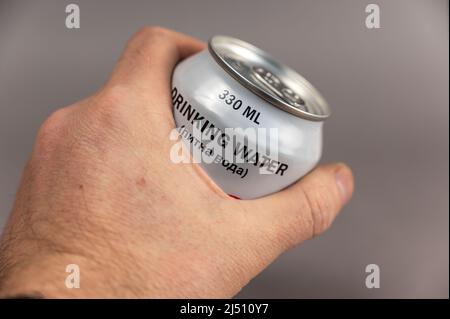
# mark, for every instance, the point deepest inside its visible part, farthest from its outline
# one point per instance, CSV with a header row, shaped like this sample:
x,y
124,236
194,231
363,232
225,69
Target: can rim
x,y
318,98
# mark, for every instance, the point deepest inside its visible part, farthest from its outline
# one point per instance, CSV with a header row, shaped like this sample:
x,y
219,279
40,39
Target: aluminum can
x,y
253,124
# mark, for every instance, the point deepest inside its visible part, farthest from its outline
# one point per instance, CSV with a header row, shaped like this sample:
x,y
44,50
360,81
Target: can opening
x,y
263,75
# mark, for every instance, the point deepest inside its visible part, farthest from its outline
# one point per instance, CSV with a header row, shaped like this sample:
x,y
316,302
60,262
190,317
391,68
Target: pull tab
x,y
274,84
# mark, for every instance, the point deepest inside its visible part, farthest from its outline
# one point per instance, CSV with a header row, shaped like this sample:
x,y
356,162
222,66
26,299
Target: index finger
x,y
149,58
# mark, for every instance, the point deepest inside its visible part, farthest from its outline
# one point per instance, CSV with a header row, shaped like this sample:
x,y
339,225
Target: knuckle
x,y
113,98
150,32
153,30
114,108
53,122
150,38
51,131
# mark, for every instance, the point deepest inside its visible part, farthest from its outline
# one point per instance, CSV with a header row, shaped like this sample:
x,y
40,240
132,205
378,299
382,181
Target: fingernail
x,y
344,181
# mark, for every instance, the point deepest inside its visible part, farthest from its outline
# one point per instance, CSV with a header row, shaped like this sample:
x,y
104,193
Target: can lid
x,y
263,75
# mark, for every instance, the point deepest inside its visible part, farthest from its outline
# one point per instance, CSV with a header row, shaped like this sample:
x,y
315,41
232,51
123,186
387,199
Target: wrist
x,y
58,275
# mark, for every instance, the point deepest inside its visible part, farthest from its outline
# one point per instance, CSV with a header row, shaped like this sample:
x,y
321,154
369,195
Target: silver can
x,y
253,124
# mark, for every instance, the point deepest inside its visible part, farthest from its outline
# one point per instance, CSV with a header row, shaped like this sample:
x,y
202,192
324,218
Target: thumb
x,y
304,209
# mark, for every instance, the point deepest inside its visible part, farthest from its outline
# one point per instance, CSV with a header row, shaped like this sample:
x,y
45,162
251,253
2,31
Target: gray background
x,y
388,89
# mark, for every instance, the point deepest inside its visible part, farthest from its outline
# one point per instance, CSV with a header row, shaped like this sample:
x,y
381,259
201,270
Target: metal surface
x,y
298,141
389,93
265,76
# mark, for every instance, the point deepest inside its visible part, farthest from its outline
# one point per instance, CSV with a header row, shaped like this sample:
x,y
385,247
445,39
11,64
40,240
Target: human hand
x,y
100,191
